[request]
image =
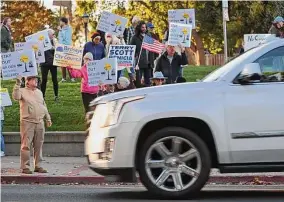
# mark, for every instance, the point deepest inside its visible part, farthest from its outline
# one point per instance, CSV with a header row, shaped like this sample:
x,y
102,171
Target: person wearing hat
x,y
158,79
33,111
277,24
170,63
89,93
124,84
95,47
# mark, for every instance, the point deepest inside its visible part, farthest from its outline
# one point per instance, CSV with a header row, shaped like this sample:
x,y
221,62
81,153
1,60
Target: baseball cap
x,y
150,25
278,19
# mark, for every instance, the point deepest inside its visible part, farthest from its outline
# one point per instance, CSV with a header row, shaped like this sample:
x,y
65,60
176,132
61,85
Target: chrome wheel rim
x,y
173,163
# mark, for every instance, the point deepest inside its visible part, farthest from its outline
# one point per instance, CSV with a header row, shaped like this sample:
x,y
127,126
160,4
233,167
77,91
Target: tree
x,y
28,17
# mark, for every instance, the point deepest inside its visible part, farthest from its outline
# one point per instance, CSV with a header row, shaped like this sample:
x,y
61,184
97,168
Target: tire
x,y
203,157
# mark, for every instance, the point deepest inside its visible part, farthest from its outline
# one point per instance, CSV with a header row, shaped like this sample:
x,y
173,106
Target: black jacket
x,y
6,40
170,70
144,62
49,56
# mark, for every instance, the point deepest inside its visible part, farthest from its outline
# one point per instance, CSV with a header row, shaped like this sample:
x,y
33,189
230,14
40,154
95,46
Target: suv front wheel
x,y
174,162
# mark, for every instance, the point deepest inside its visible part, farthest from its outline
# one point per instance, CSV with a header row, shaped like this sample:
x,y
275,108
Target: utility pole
x,y
225,19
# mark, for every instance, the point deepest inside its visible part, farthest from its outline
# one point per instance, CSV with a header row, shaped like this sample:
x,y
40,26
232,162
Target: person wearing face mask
x,y
277,24
114,40
33,111
143,66
95,47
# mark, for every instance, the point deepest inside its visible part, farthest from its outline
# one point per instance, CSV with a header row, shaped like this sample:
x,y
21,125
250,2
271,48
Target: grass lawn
x,y
68,114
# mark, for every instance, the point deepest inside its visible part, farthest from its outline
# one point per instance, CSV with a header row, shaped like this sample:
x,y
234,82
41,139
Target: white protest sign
x,y
183,16
112,23
5,98
35,46
65,56
20,63
180,34
124,55
41,37
104,70
253,40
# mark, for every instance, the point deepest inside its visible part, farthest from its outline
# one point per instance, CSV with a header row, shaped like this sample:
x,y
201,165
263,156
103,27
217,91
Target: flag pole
x,y
137,67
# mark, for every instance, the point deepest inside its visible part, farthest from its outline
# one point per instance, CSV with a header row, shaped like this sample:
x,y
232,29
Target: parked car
x,y
173,135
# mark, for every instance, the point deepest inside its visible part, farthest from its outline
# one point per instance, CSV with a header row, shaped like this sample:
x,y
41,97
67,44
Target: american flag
x,y
152,45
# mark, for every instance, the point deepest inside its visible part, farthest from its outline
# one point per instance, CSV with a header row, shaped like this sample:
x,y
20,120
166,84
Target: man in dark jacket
x,y
48,66
6,37
143,66
170,63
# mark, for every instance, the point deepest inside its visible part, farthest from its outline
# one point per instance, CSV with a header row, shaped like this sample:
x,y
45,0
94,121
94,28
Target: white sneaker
x,y
63,80
2,154
73,80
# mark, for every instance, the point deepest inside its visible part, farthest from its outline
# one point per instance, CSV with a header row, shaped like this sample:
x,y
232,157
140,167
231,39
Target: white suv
x,y
173,135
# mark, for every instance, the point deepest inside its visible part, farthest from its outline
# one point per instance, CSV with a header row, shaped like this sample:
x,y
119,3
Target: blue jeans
x,y
2,137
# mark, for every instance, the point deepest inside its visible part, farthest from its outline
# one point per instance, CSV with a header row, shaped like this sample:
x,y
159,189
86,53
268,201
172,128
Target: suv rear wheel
x,y
174,162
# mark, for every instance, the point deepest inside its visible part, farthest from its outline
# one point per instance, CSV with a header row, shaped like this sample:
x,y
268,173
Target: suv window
x,y
272,65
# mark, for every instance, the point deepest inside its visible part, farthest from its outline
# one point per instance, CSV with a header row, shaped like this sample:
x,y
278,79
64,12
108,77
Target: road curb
x,y
41,179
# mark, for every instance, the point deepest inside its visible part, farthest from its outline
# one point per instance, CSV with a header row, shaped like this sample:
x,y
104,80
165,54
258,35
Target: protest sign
x,y
65,56
32,45
104,71
112,23
180,34
5,98
41,37
253,40
124,55
183,16
20,63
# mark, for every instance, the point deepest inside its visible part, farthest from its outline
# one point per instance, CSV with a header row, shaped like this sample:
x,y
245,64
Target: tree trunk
x,y
200,55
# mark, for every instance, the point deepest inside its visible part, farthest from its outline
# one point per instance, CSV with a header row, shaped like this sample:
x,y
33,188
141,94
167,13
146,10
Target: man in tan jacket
x,y
33,110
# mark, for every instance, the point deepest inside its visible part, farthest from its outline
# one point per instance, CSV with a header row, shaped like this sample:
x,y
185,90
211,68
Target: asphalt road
x,y
78,193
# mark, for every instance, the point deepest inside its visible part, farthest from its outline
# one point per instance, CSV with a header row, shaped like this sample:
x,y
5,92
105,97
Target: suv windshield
x,y
215,75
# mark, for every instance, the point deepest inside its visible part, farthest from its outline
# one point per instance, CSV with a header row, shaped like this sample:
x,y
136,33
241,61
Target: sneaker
x,y
27,171
2,154
40,170
73,80
63,80
56,99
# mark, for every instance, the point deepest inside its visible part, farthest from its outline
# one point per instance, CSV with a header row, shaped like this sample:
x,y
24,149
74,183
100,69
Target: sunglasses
x,y
160,79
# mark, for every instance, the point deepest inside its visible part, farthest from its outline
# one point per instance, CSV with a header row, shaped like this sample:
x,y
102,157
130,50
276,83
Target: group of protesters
x,y
149,69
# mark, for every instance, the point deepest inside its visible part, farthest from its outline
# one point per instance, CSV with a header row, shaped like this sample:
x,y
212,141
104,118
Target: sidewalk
x,y
63,170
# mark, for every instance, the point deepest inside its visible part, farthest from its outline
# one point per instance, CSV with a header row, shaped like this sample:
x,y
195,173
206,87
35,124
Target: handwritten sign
x,y
41,37
253,40
35,46
112,23
180,34
20,63
68,56
104,71
183,16
5,98
124,55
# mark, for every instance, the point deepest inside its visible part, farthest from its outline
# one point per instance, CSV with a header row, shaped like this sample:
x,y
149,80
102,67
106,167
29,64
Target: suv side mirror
x,y
250,74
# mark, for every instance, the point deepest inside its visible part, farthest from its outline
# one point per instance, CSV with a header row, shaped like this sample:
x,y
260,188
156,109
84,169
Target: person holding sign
x,y
33,111
170,63
89,93
48,66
